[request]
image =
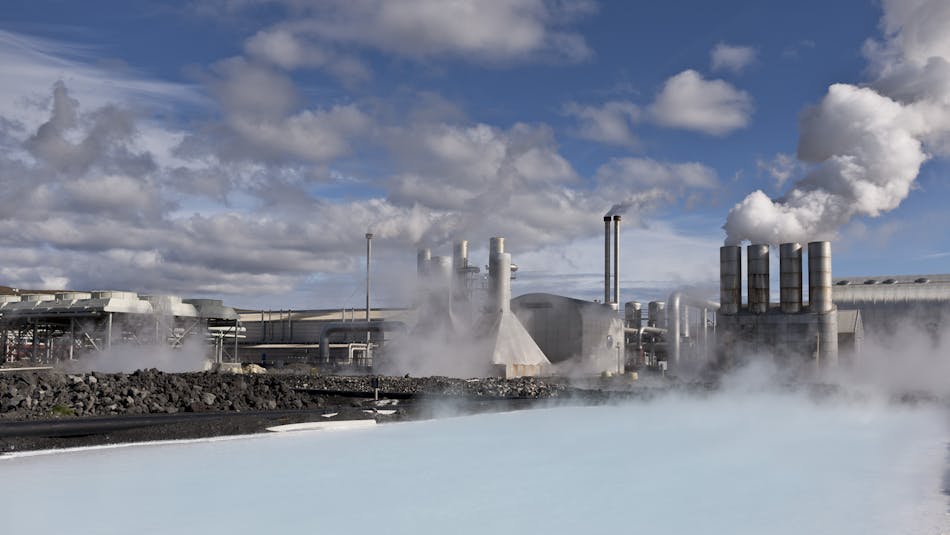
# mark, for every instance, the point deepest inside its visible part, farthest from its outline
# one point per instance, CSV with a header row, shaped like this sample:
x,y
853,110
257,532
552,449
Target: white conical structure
x,y
509,346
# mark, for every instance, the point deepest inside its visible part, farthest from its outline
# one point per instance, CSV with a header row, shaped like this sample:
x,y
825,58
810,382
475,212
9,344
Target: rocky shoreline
x,y
53,409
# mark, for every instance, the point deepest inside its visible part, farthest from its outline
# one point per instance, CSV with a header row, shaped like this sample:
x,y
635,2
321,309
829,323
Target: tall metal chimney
x,y
758,283
499,275
606,259
616,300
819,277
790,277
730,279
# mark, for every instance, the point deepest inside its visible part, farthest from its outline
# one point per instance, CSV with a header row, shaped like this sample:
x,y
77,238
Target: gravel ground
x,y
41,410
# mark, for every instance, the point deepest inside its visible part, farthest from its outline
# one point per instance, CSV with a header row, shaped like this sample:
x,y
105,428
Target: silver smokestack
x,y
790,277
606,259
758,283
819,277
730,279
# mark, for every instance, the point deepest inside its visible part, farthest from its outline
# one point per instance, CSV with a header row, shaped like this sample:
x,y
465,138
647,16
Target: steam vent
x,y
790,329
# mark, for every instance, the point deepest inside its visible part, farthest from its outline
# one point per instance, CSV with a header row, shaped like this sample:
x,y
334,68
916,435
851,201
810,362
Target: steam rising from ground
x,y
738,461
865,145
127,358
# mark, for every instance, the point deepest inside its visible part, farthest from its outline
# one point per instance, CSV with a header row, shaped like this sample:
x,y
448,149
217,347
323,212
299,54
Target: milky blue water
x,y
739,463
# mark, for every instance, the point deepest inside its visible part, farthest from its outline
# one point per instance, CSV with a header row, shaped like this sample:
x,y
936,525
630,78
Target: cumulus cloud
x,y
282,46
610,123
734,58
864,145
690,102
501,31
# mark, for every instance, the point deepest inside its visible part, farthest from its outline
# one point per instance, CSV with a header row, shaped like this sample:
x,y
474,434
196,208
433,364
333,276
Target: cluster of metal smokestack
x,y
790,270
614,298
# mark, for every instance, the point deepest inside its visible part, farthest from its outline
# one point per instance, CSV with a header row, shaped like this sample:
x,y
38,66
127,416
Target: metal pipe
x,y
819,277
354,327
730,278
790,277
616,299
606,259
758,282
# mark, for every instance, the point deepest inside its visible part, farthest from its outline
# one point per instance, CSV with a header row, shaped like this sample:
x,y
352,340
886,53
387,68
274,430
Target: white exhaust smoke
x,y
865,145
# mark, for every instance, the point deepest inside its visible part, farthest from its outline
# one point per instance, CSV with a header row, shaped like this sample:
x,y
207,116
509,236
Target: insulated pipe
x,y
758,261
616,300
606,259
819,277
354,327
790,277
730,278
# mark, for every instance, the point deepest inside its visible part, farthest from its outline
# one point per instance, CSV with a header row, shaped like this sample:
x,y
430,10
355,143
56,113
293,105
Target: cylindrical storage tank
x,y
819,277
499,276
495,245
422,261
730,279
790,277
656,314
606,259
758,268
633,314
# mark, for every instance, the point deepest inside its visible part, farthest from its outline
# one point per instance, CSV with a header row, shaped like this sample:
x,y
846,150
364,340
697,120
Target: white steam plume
x,y
866,144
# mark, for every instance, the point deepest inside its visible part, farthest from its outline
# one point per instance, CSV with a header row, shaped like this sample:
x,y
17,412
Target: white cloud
x,y
734,58
498,31
780,168
690,102
610,123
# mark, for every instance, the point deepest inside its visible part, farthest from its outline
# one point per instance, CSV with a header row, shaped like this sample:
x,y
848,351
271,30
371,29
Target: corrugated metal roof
x,y
891,288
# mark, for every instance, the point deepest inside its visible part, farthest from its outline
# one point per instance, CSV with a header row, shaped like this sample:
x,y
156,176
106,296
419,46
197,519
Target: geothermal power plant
x,y
465,321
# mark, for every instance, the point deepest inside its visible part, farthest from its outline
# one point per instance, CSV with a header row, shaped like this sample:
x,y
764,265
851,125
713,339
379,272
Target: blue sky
x,y
241,148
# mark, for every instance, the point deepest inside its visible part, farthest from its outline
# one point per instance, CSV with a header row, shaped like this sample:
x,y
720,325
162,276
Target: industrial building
x,y
456,305
60,326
